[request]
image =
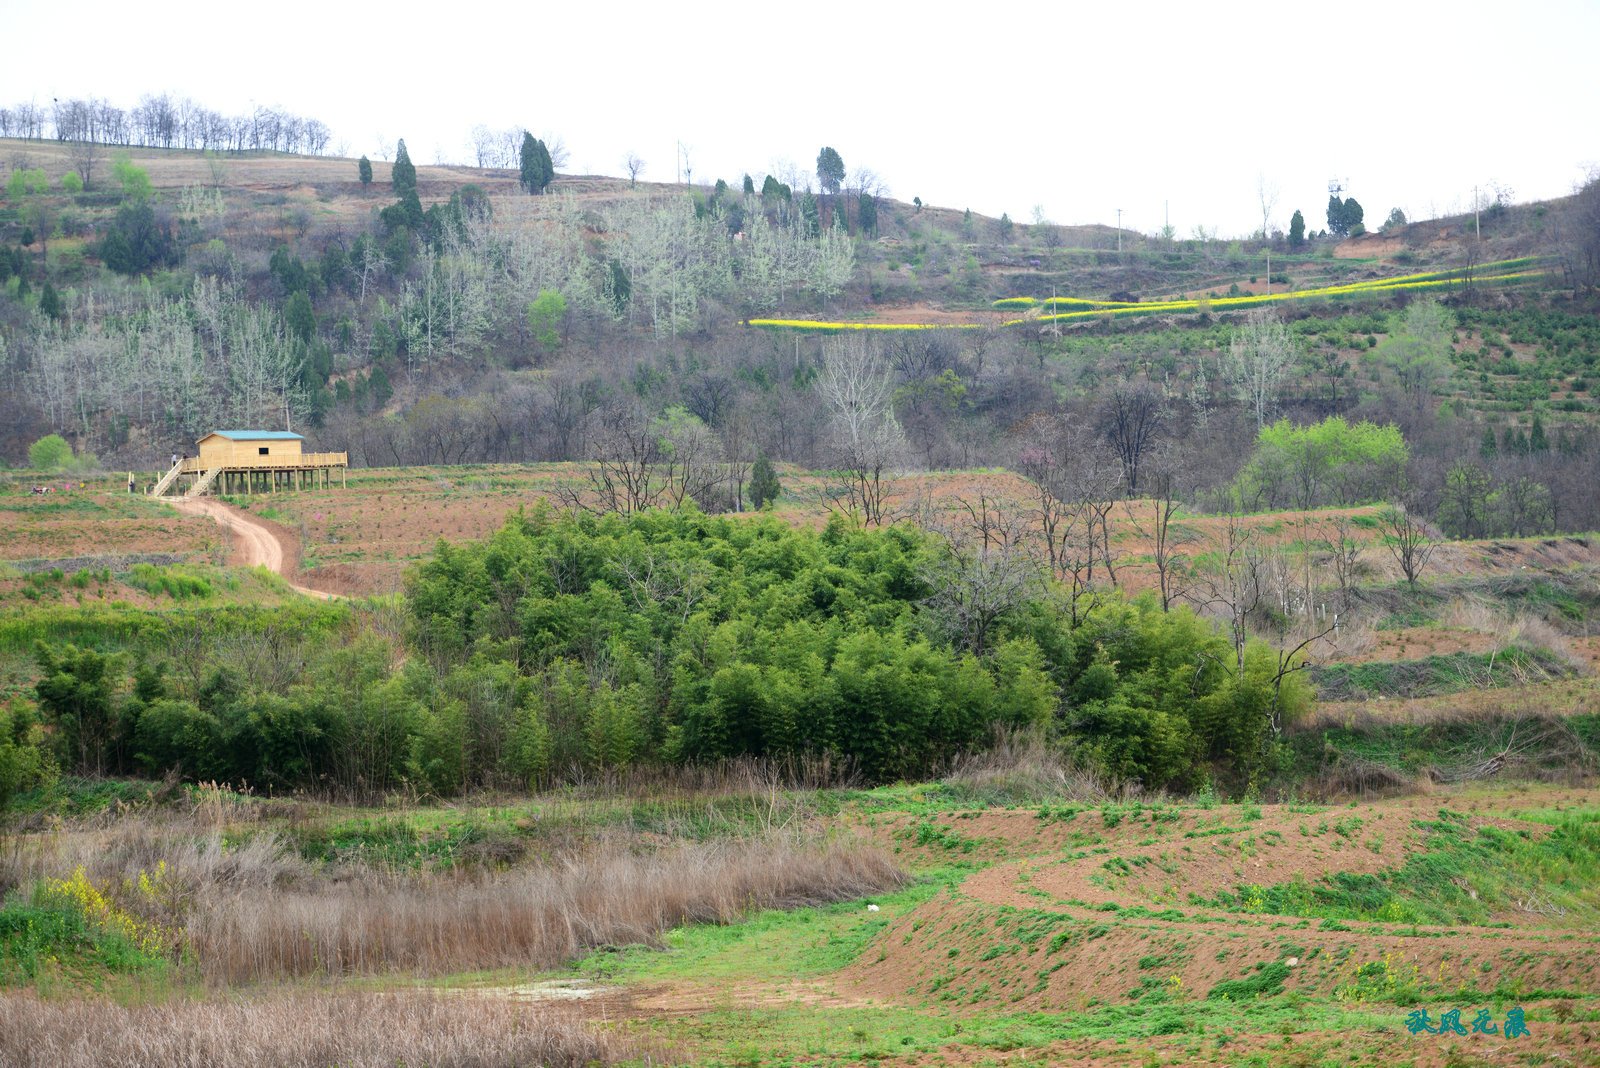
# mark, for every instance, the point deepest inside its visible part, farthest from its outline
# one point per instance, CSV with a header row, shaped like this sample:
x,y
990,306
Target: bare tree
x,y
631,470
635,165
982,571
1132,416
864,438
651,577
85,155
1578,235
1408,540
1232,583
1075,479
1267,193
694,468
483,140
1167,536
1344,550
556,145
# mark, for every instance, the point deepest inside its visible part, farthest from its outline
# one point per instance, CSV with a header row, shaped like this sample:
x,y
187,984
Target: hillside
x,y
281,282
788,629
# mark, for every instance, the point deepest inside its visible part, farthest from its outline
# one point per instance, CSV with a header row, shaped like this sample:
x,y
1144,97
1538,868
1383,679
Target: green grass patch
x,y
1463,876
1267,981
1435,675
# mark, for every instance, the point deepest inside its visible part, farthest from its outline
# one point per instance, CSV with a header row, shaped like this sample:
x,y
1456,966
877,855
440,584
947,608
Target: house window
x,y
262,451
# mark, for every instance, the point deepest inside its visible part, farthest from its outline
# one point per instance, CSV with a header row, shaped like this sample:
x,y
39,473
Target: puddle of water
x,y
541,990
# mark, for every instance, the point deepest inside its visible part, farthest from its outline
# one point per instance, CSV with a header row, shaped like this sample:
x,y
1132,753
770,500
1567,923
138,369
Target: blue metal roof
x,y
256,435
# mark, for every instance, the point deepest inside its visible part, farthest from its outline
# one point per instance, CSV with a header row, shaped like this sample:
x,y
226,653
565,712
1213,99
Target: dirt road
x,y
254,543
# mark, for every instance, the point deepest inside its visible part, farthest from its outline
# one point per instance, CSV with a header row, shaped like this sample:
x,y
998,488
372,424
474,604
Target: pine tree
x,y
364,171
404,174
764,485
1297,229
50,301
749,185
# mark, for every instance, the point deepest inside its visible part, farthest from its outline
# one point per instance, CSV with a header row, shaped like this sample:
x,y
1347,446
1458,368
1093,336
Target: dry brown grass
x,y
534,917
298,1030
233,897
1024,767
1353,776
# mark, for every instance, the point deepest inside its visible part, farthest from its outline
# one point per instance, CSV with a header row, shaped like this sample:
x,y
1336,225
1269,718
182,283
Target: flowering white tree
x,y
1261,354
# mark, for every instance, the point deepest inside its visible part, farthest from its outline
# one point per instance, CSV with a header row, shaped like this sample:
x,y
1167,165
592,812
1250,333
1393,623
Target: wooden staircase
x,y
167,479
203,483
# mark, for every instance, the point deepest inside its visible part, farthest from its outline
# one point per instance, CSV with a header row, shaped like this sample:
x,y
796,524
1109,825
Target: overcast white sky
x,y
1143,107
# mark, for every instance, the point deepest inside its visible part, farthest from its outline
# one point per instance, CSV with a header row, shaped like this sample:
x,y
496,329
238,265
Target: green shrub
x,y
172,581
49,453
1267,981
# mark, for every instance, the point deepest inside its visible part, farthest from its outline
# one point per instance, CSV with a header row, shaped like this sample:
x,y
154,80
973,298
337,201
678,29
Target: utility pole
x,y
1477,225
1269,270
1119,230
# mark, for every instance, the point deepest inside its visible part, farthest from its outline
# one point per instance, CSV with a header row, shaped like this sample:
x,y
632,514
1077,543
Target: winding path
x,y
258,545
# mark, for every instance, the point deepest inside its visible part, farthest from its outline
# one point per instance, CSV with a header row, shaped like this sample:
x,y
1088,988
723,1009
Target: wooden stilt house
x,y
253,461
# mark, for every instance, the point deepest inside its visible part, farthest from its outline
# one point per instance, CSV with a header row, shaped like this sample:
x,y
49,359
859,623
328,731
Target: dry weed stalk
x,y
534,917
353,1030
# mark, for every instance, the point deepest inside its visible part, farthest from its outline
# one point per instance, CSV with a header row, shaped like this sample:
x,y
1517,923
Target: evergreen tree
x,y
298,316
1336,225
404,174
379,389
1353,214
364,171
50,301
532,171
1487,450
618,288
1297,229
867,214
1537,442
830,170
764,485
1344,216
810,222
547,166
749,185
